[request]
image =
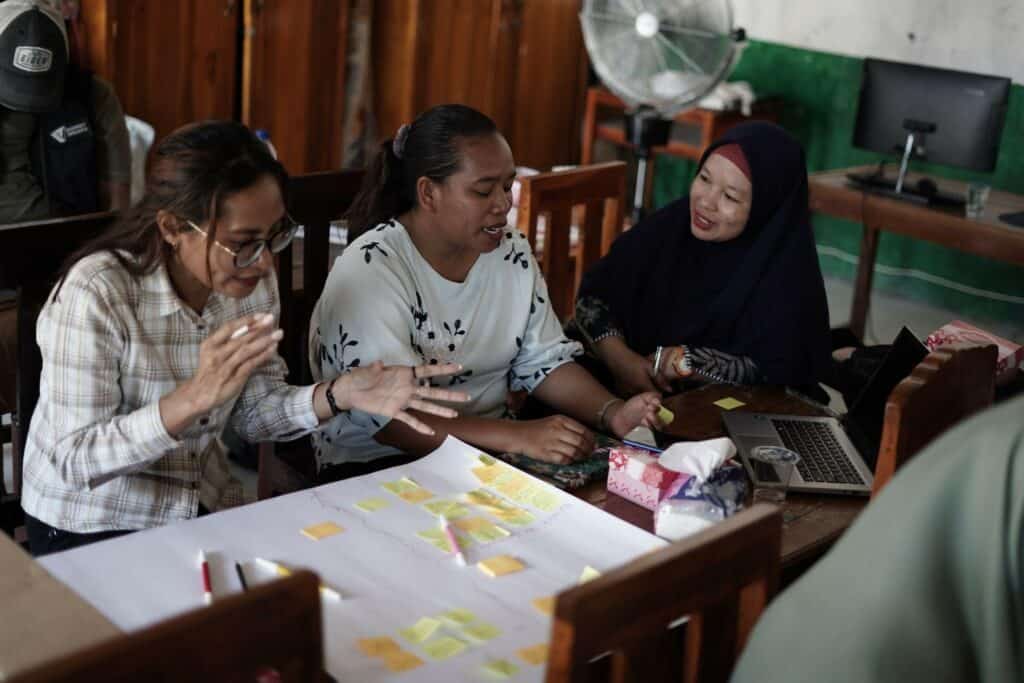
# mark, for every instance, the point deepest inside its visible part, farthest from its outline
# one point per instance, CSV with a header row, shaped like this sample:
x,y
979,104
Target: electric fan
x,y
660,57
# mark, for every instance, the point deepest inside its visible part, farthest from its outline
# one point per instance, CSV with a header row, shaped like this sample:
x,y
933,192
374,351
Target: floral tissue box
x,y
635,474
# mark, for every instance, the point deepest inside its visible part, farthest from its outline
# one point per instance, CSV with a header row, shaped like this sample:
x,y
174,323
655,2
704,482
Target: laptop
x,y
836,455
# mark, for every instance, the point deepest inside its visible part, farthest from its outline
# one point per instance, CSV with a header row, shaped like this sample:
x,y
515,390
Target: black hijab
x,y
759,295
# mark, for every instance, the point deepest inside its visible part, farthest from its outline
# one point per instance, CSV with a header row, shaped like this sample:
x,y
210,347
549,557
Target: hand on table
x,y
556,439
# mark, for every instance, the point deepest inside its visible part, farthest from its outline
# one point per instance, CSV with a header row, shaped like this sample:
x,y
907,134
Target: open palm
x,y
391,390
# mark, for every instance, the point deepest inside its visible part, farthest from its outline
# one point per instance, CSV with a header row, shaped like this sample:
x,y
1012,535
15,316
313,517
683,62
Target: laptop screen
x,y
866,415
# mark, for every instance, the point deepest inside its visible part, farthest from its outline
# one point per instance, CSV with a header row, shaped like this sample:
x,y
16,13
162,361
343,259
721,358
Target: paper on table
x,y
545,605
536,655
372,504
322,530
401,661
444,647
499,669
378,647
500,565
729,403
383,568
421,630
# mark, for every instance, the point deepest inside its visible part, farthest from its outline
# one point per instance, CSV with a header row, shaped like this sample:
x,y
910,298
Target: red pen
x,y
204,568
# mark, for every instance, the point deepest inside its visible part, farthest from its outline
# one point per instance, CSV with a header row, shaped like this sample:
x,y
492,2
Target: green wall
x,y
820,94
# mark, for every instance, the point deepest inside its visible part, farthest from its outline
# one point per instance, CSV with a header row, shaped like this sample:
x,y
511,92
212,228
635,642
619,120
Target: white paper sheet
x,y
390,578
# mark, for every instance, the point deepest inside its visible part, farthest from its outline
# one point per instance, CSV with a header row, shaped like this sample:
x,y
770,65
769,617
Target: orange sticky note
x,y
544,605
402,661
499,565
728,403
322,530
378,647
536,655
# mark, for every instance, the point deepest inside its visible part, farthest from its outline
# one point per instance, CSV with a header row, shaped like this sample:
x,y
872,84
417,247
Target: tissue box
x,y
635,474
965,334
691,506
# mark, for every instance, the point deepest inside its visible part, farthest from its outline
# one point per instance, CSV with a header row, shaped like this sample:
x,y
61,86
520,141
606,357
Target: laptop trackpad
x,y
753,425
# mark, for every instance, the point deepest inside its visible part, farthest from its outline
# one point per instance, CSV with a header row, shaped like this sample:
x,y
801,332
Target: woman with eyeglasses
x,y
163,330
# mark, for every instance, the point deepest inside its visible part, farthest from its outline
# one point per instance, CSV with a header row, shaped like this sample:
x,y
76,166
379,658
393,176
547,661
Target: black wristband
x,y
331,403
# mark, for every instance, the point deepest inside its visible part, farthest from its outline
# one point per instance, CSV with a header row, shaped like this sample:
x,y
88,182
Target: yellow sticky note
x,y
484,498
486,473
451,509
536,655
372,504
439,539
487,460
728,403
416,496
499,565
421,630
545,500
481,632
499,669
515,517
401,661
457,617
408,490
545,605
666,416
510,483
322,530
589,574
443,648
481,529
378,647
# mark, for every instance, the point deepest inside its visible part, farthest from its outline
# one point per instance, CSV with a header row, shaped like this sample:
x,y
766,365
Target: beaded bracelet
x,y
331,403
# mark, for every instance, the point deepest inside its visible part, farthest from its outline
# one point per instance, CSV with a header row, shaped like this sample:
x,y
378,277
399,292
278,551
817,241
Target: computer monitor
x,y
967,111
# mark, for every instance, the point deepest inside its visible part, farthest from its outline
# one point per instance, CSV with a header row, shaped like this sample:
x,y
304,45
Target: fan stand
x,y
645,129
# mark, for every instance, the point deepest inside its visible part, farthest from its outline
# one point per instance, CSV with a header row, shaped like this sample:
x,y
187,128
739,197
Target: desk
x,y
42,618
831,194
811,523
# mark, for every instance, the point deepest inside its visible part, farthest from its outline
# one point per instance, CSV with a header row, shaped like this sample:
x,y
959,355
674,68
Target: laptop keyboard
x,y
821,457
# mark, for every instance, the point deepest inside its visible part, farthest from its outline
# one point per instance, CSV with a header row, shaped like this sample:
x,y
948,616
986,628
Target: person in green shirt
x,y
926,585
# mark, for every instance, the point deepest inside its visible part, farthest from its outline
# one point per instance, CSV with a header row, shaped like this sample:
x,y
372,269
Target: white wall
x,y
986,36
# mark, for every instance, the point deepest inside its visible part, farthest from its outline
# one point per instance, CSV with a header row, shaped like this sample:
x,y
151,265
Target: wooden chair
x,y
314,200
275,626
944,388
31,255
721,578
600,189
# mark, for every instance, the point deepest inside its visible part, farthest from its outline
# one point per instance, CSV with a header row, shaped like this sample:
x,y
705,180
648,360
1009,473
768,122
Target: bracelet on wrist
x,y
329,394
602,414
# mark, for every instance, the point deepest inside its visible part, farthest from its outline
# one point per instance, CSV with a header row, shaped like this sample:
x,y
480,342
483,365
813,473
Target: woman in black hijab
x,y
721,285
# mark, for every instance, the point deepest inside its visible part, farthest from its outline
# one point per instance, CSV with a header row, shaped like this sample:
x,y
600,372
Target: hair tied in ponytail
x,y
398,144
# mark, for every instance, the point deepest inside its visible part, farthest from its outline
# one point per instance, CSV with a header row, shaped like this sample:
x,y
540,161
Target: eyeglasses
x,y
250,252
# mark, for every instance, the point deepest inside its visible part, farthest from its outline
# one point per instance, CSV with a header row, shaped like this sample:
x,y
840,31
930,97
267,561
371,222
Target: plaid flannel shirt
x,y
98,456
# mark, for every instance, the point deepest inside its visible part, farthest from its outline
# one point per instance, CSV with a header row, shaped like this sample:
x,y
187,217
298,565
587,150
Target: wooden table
x,y
811,523
832,194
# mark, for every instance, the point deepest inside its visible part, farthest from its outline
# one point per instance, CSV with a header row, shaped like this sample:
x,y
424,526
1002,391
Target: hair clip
x,y
398,144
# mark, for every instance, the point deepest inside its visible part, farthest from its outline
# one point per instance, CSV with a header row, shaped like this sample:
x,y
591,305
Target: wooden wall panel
x,y
175,62
294,78
550,88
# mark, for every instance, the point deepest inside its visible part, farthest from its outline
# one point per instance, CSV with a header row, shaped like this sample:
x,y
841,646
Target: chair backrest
x,y
944,388
275,626
721,578
31,255
314,200
601,190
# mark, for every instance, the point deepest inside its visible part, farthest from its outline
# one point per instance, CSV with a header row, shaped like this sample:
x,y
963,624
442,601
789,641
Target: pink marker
x,y
204,569
452,540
